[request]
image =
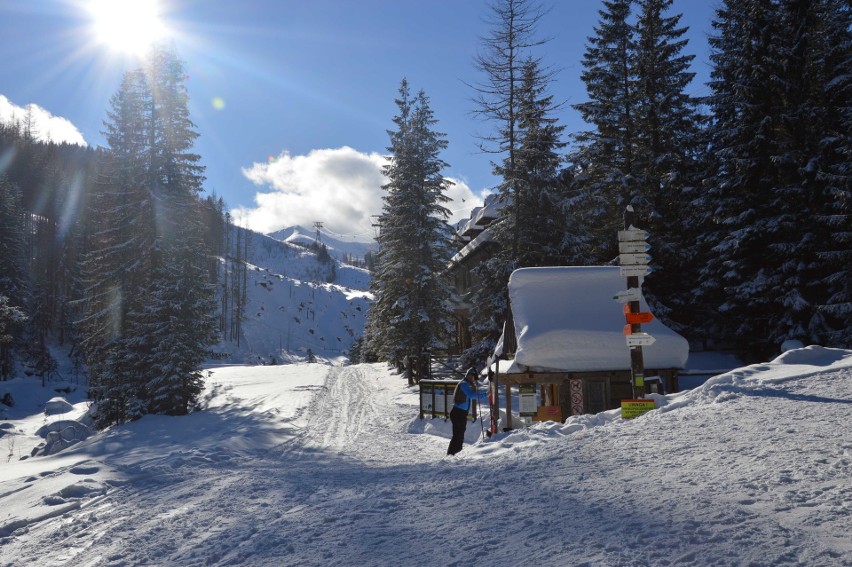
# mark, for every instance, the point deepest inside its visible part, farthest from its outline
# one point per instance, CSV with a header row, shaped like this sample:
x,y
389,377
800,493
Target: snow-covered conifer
x,y
410,313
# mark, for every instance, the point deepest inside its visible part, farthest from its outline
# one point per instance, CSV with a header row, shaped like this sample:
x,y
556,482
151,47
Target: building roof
x,y
481,217
566,320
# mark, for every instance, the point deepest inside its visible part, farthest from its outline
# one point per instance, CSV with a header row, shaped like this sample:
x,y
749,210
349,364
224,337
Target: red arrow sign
x,y
638,318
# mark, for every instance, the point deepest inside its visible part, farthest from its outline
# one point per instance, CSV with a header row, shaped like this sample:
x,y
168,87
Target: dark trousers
x,y
459,419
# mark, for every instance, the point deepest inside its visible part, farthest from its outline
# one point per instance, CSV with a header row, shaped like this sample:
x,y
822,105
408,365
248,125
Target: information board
x,y
527,400
426,399
635,408
441,392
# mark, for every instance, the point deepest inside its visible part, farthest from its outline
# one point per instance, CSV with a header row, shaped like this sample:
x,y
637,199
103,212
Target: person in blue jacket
x,y
464,393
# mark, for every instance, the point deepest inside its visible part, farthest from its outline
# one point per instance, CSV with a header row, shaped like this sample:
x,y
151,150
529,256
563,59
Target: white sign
x,y
528,402
628,295
633,235
634,259
635,270
633,247
426,401
443,400
639,339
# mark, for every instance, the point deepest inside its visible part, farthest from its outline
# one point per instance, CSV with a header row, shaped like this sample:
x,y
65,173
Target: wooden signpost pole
x,y
637,361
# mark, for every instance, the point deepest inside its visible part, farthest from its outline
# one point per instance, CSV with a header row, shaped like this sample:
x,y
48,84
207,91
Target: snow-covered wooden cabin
x,y
567,330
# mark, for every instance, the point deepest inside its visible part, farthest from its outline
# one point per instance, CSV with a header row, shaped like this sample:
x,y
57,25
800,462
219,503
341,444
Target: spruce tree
x,y
778,190
179,315
149,302
536,232
753,198
538,220
180,319
117,268
669,142
512,90
824,50
410,313
13,285
605,157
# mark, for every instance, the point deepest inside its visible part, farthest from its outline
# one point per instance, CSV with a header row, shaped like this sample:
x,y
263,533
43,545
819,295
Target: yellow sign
x,y
635,408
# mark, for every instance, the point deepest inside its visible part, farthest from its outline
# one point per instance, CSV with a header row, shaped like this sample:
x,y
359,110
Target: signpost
x,y
635,270
634,259
638,318
631,233
633,247
639,339
628,295
634,263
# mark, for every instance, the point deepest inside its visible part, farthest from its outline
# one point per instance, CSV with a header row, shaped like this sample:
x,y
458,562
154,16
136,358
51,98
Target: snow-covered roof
x,y
567,320
484,236
481,217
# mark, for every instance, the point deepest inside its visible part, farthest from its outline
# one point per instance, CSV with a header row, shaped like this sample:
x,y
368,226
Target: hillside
x,y
291,307
318,465
338,245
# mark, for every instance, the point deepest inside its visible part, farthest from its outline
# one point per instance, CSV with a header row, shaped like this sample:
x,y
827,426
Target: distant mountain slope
x,y
337,245
292,307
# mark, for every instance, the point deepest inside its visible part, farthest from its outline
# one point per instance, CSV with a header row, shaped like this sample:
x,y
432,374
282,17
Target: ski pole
x,y
481,426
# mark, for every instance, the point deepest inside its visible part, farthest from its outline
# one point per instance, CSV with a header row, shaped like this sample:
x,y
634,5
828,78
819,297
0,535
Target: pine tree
x,y
669,142
512,97
802,195
755,194
536,232
410,313
538,222
605,160
116,270
821,42
778,192
507,51
12,242
180,320
13,289
148,319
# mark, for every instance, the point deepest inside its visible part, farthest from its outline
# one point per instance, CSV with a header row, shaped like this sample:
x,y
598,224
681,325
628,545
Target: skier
x,y
465,392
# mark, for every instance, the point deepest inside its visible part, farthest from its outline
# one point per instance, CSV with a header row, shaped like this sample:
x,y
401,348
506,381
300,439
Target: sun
x,y
126,26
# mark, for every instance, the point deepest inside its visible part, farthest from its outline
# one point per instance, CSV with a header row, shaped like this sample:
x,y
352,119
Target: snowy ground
x,y
319,465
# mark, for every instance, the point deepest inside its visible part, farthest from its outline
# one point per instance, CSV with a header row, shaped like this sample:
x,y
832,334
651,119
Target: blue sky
x,y
292,99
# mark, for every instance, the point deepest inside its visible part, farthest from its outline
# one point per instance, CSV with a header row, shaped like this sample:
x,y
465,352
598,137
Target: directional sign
x,y
638,318
628,295
639,339
633,235
634,259
633,247
635,270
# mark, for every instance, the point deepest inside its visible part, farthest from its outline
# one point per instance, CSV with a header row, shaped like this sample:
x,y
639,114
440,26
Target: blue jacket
x,y
471,393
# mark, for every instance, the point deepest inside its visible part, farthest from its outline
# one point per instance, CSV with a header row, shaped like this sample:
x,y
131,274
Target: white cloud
x,y
47,127
342,188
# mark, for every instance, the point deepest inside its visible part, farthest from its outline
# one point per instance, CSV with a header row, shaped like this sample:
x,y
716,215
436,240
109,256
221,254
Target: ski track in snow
x,y
746,473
